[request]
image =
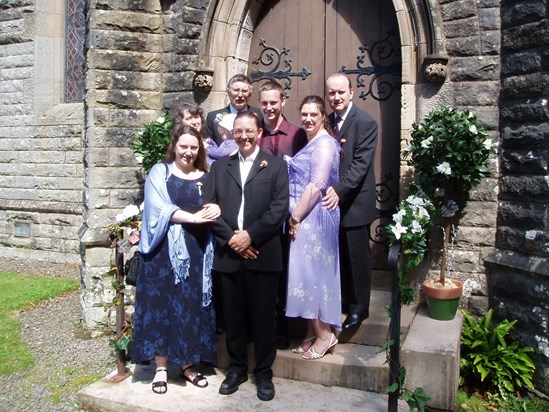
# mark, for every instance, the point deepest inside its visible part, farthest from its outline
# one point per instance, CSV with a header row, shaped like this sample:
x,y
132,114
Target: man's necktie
x,y
336,125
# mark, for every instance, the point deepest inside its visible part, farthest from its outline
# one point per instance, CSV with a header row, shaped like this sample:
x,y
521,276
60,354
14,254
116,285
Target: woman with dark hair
x,y
174,319
314,292
188,115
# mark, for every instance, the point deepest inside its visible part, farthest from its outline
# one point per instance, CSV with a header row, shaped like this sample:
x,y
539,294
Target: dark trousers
x,y
281,320
356,268
249,300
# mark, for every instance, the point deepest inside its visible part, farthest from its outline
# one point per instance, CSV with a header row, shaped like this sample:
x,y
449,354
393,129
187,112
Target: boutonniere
x,y
263,164
199,185
219,117
342,140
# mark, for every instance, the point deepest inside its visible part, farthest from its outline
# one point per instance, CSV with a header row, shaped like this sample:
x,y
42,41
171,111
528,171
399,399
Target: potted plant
x,y
449,152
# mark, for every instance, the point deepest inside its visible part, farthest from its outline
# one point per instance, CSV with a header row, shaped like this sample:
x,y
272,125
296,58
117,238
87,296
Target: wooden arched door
x,y
299,43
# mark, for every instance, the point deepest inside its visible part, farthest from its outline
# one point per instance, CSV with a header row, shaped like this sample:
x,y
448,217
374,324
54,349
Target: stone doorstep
x,y
374,330
430,354
134,394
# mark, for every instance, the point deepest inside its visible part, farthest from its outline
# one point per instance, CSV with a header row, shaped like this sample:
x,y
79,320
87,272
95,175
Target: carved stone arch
x,y
227,45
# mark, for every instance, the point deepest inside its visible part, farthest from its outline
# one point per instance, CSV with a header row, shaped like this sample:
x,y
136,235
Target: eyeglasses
x,y
249,132
243,91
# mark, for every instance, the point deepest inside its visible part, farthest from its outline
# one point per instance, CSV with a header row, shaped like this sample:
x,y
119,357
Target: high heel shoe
x,y
299,349
311,354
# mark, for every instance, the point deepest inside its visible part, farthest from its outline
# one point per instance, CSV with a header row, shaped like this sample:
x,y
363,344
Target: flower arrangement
x,y
150,143
449,152
410,228
128,223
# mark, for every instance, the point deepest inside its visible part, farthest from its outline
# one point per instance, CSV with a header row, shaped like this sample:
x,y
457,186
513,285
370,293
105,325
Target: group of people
x,y
256,231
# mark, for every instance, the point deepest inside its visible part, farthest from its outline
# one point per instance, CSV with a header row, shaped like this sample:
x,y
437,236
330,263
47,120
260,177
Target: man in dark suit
x,y
239,90
251,188
355,193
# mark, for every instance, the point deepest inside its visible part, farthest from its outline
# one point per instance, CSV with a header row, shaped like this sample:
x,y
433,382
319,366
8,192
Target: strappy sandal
x,y
160,384
196,380
299,349
312,354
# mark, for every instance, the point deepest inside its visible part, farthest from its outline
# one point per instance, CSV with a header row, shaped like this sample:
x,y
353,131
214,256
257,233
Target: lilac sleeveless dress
x,y
314,290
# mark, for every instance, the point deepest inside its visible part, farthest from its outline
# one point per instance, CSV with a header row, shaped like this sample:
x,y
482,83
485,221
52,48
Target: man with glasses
x,y
251,188
239,90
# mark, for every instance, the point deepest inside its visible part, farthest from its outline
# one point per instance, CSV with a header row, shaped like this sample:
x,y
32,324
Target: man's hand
x,y
240,241
330,199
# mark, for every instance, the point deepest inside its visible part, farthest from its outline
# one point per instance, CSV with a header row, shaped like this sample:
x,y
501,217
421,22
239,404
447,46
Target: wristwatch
x,y
294,221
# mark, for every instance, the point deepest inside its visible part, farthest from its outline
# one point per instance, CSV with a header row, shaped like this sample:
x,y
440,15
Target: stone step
x,y
374,330
357,362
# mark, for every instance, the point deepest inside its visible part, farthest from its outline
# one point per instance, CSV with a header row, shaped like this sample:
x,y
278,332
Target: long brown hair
x,y
319,102
200,163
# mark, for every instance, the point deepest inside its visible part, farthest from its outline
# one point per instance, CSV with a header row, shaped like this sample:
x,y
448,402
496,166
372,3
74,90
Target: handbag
x,y
131,268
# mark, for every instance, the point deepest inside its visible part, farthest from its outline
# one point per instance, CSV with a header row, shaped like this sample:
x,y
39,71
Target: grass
x,y
475,403
20,292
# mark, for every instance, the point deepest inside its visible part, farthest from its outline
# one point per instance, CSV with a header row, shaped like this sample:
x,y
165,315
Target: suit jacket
x,y
266,204
211,122
357,184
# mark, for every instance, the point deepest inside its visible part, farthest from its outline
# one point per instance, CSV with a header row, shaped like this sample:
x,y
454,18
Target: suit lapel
x,y
233,169
256,167
347,122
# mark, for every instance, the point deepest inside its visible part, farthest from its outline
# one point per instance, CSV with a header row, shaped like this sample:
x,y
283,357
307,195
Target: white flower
x,y
139,159
427,142
161,120
408,148
422,212
128,212
473,129
398,230
415,201
397,217
416,227
488,144
444,168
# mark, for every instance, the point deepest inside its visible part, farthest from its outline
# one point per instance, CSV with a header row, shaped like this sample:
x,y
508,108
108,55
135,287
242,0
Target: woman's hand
x,y
210,211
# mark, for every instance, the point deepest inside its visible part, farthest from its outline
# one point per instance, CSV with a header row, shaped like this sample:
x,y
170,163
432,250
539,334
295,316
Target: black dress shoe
x,y
282,342
354,320
231,382
265,389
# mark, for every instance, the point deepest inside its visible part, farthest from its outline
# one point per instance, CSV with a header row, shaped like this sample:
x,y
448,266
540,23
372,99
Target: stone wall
x,y
518,268
41,167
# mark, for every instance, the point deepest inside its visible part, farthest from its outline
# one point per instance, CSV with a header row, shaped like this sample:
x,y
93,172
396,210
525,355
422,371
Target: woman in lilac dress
x,y
313,269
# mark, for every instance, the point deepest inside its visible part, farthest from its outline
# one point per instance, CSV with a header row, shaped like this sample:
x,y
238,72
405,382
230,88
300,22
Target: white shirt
x,y
245,165
343,116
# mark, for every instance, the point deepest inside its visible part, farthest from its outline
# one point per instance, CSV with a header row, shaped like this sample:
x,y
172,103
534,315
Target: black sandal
x,y
160,384
198,378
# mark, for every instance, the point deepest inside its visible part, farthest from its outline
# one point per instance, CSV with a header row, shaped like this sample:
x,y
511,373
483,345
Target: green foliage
x,y
416,400
410,228
18,292
488,361
151,142
449,150
477,402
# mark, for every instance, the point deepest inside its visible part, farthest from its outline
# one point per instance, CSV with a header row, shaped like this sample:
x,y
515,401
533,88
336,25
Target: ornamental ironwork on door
x,y
299,44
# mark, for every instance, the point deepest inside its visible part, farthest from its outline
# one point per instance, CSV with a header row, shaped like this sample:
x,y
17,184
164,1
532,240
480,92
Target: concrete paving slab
x,y
135,394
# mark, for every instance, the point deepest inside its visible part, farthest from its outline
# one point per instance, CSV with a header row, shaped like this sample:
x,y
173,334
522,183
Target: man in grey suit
x,y
239,90
251,188
355,193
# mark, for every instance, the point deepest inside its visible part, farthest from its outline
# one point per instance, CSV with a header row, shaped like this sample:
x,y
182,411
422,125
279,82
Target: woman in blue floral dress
x,y
174,318
314,291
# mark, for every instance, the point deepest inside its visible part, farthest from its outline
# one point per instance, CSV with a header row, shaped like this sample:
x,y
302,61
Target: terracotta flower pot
x,y
442,303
